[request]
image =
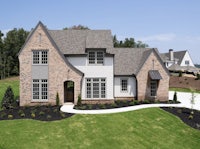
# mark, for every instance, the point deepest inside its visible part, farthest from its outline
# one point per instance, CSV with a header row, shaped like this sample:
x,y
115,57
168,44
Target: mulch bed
x,y
42,113
193,120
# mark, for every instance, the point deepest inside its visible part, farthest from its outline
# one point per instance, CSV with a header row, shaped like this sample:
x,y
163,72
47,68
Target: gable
x,y
39,38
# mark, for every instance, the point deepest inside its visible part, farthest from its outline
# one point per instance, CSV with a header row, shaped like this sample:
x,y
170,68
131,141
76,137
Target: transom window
x,y
124,85
154,84
96,57
40,89
96,88
40,57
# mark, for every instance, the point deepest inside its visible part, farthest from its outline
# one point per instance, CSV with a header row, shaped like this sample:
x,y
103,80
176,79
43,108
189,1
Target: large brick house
x,y
84,62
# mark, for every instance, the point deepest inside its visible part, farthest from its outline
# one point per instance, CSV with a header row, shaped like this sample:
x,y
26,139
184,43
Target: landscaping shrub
x,y
79,100
33,115
198,77
175,97
57,99
180,74
41,113
10,116
8,101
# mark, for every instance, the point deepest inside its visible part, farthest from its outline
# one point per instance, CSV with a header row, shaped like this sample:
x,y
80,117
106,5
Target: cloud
x,y
158,38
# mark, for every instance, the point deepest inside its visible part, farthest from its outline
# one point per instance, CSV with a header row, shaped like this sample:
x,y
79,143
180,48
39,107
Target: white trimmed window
x,y
96,88
96,57
187,62
40,89
124,85
40,57
154,85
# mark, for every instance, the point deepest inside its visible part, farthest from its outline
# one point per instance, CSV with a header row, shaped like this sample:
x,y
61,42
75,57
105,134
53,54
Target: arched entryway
x,y
68,91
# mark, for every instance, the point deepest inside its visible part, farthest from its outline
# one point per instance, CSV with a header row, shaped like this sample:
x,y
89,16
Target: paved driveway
x,y
185,99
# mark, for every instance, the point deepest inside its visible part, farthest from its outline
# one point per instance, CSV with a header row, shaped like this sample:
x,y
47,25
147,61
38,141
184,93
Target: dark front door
x,y
69,91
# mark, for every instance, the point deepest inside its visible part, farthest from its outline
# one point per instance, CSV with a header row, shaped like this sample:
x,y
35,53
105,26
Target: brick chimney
x,y
171,55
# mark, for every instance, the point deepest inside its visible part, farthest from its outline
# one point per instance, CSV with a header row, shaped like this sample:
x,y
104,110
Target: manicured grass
x,y
147,128
183,90
13,82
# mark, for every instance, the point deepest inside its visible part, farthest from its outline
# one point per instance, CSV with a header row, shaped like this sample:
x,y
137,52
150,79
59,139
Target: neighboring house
x,y
179,60
84,62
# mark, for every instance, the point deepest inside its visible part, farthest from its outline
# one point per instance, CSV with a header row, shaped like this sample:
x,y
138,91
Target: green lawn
x,y
13,82
183,90
147,128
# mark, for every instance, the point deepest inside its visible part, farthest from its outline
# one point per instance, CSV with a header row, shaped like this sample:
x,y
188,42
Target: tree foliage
x,y
128,43
8,99
9,48
77,27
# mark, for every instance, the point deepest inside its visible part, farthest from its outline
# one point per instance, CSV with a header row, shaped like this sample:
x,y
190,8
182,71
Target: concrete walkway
x,y
184,98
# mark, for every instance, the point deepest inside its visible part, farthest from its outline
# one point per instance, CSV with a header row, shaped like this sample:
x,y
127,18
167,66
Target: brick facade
x,y
58,70
143,79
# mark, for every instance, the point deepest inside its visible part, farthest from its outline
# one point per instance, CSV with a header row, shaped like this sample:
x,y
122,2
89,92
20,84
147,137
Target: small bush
x,y
102,106
146,101
48,116
180,74
8,101
3,114
136,102
57,99
132,103
33,115
83,107
22,114
175,97
79,100
90,107
55,110
179,111
190,117
198,77
41,113
10,116
62,114
114,105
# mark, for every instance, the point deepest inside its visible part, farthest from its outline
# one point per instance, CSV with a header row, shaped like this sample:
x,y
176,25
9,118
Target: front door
x,y
69,91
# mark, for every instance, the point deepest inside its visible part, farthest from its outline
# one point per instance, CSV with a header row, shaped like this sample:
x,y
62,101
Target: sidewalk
x,y
184,98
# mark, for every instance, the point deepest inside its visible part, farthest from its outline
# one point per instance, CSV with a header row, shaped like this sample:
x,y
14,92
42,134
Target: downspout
x,y
136,96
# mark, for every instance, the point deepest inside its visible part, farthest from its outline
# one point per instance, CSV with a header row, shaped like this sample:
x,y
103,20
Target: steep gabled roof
x,y
76,41
179,55
53,43
128,60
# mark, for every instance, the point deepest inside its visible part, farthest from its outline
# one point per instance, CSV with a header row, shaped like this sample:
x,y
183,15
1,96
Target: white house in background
x,y
178,60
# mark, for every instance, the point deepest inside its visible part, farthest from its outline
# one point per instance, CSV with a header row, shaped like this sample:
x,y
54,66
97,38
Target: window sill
x,y
39,100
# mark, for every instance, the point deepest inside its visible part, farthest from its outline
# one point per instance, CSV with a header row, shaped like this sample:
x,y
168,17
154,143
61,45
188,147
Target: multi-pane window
x,y
40,57
96,57
153,85
187,62
96,88
124,85
40,89
36,57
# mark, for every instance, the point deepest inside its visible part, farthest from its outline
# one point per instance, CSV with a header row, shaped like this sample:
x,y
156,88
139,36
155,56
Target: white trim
x,y
91,88
125,91
95,58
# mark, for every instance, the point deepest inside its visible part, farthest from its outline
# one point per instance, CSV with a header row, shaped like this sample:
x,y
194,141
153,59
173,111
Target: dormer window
x,y
96,57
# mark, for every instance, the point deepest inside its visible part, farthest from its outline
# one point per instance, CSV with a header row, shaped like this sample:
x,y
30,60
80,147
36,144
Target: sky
x,y
162,24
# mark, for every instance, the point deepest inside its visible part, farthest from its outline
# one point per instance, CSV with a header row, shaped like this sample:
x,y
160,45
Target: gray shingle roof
x,y
155,75
177,55
76,41
128,61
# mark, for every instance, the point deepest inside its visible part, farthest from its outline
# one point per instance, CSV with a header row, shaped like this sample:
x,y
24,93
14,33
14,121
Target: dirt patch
x,y
184,82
